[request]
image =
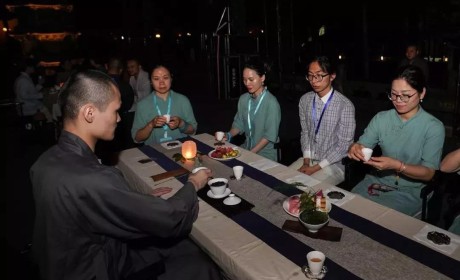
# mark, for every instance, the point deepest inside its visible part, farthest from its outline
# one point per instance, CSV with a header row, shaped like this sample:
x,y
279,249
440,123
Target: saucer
x,y
211,195
232,200
307,272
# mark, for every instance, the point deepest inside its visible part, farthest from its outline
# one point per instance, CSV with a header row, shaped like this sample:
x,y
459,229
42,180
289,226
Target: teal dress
x,y
259,118
418,141
149,107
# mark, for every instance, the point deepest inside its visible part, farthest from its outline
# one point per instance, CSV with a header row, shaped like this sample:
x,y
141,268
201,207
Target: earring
x,y
421,100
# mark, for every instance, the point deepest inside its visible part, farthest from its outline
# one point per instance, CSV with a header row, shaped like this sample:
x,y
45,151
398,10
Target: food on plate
x,y
335,195
224,152
438,238
172,144
294,205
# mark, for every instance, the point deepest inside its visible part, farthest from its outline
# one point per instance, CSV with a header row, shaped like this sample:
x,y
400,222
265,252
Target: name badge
x,y
165,138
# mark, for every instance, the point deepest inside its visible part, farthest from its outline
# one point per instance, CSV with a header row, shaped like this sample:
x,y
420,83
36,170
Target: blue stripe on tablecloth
x,y
163,160
272,235
411,248
421,253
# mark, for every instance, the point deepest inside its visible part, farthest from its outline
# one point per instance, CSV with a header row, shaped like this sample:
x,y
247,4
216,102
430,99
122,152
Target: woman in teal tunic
x,y
411,141
151,123
259,113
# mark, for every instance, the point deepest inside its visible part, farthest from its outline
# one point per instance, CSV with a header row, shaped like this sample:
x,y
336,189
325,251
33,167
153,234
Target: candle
x,y
189,149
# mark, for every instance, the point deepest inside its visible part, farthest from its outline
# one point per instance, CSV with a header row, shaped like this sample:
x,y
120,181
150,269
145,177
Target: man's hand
x,y
200,178
161,191
309,169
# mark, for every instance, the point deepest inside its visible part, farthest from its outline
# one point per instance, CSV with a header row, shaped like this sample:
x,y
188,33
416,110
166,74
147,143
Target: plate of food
x,y
292,205
224,153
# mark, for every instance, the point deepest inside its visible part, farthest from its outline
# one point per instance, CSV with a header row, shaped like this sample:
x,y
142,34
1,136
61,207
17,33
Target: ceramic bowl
x,y
313,220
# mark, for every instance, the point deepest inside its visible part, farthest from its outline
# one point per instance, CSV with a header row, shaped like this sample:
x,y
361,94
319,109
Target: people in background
x,y
413,58
139,80
411,141
28,94
88,220
151,118
450,164
106,150
259,113
328,124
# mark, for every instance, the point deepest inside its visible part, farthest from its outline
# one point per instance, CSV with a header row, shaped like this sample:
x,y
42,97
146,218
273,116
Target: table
x,y
376,241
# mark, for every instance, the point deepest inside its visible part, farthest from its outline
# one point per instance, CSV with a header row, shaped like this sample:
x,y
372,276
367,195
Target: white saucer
x,y
211,195
306,271
232,200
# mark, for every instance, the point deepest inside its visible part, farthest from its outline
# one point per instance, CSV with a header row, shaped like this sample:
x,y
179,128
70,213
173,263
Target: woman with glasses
x,y
259,113
411,141
328,124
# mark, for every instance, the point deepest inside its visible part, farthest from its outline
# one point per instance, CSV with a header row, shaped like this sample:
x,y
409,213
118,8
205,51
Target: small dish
x,y
226,193
172,144
307,272
232,200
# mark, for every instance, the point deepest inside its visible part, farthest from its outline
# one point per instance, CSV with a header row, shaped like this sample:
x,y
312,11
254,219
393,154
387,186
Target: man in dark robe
x,y
87,218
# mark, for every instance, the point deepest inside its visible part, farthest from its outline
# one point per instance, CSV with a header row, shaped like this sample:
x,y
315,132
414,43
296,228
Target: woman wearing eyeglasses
x,y
328,124
411,141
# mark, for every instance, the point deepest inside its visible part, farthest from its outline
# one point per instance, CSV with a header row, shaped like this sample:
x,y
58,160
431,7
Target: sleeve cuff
x,y
324,163
306,154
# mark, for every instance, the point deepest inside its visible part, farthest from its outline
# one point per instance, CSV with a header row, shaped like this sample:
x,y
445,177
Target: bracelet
x,y
401,170
183,128
229,136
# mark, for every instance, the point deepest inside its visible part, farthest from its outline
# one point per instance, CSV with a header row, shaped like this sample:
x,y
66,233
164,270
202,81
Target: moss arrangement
x,y
313,217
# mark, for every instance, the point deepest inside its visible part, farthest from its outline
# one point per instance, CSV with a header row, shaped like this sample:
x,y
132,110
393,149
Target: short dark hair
x,y
413,75
90,86
326,64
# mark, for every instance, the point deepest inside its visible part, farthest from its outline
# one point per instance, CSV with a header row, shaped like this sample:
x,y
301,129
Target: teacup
x,y
218,186
315,261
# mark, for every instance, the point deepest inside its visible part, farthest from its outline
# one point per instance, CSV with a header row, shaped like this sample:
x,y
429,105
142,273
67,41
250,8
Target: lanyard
x,y
255,111
165,127
322,112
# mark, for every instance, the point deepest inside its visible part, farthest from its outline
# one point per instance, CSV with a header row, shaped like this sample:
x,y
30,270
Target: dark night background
x,y
286,32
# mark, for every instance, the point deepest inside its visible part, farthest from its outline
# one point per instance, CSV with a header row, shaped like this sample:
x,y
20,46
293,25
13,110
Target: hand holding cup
x,y
367,152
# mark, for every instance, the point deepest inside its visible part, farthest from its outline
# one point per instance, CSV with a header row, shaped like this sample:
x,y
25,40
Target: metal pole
x,y
278,27
266,28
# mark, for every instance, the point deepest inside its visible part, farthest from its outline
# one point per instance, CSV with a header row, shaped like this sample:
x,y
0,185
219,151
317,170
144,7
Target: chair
x,y
356,170
277,147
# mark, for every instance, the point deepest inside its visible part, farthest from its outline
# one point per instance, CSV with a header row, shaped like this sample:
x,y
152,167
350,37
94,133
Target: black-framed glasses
x,y
403,97
318,78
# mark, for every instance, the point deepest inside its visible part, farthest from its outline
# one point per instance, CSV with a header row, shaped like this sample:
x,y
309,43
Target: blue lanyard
x,y
165,127
255,111
322,112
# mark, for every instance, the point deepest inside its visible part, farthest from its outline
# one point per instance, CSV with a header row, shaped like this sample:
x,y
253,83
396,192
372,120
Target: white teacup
x,y
238,171
218,186
367,153
220,135
315,261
